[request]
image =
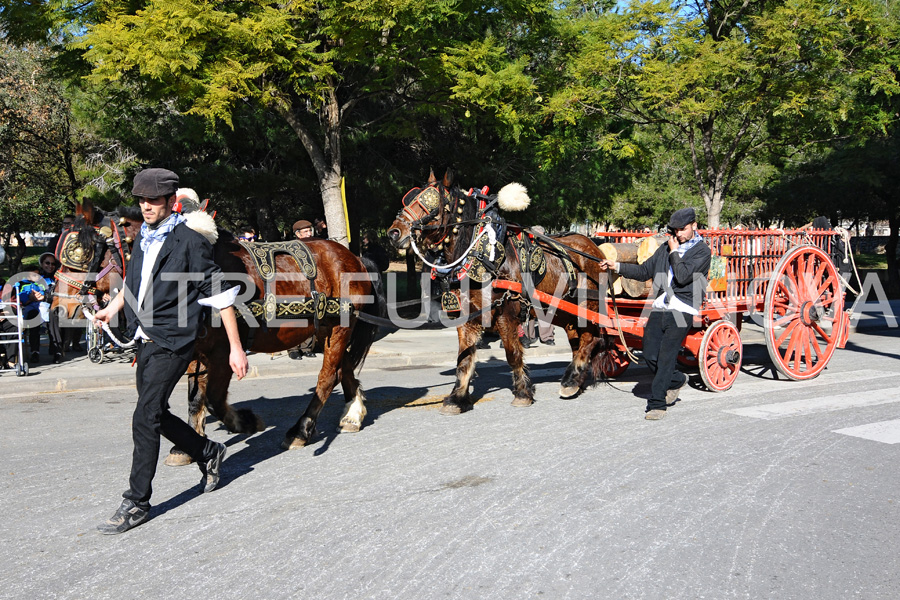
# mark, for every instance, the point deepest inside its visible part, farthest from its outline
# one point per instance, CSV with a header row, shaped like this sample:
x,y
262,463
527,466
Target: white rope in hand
x,y
107,330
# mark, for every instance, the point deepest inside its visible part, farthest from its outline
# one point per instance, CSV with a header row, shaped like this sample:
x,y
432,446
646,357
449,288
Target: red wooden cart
x,y
787,276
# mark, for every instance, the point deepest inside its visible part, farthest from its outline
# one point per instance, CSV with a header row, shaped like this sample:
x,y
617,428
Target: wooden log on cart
x,y
626,253
648,246
636,288
633,253
618,252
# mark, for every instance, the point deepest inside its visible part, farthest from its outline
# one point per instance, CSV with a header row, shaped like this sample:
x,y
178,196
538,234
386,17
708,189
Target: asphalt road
x,y
774,489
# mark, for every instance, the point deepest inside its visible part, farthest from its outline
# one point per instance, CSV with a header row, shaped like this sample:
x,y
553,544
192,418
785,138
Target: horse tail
x,y
364,333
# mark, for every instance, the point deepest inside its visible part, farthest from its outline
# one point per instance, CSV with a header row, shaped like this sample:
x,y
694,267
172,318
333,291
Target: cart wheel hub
x,y
727,357
732,357
809,313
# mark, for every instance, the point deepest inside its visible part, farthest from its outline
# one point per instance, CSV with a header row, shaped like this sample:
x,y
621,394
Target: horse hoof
x,y
348,427
293,443
522,401
567,392
178,459
450,409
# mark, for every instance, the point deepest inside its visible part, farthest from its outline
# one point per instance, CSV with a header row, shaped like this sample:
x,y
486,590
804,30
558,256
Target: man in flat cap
x,y
679,270
169,279
303,229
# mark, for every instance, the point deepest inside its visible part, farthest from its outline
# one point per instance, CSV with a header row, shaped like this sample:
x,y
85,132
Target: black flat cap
x,y
153,183
682,217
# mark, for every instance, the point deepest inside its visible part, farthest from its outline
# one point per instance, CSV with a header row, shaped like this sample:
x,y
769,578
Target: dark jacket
x,y
689,272
184,272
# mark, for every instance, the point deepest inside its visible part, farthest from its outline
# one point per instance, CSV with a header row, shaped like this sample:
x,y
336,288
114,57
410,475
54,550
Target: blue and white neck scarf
x,y
682,248
159,234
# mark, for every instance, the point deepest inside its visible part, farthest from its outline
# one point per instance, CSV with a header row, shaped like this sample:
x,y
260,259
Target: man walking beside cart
x,y
171,274
679,270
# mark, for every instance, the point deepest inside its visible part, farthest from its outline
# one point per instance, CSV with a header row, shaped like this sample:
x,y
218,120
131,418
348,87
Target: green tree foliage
x,y
731,82
37,172
314,64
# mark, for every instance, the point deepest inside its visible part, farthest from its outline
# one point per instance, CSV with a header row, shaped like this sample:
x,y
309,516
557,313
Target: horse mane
x,y
469,213
85,232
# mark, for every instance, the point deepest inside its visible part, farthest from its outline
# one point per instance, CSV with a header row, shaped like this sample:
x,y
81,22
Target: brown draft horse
x,y
440,221
344,285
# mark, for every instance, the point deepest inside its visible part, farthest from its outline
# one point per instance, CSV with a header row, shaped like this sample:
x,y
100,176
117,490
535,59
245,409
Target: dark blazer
x,y
184,272
689,272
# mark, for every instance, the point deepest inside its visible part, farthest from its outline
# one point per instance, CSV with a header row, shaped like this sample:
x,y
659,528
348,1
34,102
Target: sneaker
x,y
211,469
655,414
128,516
295,355
309,354
549,343
57,358
672,395
35,358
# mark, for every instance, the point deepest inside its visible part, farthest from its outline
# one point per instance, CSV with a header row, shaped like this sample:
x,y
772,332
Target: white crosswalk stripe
x,y
796,408
830,380
886,432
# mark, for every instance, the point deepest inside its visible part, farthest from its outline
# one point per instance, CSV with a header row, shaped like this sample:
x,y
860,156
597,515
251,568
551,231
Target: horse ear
x,y
448,178
431,178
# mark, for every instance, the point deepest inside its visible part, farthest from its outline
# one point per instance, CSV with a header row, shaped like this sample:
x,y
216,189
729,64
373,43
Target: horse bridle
x,y
417,214
87,290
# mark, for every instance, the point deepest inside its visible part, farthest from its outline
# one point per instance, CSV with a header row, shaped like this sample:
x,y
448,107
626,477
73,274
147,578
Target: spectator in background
x,y
303,229
321,228
370,248
34,298
48,267
247,234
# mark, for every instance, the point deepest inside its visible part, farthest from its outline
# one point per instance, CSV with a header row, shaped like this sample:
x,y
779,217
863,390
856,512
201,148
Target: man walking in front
x,y
170,277
679,270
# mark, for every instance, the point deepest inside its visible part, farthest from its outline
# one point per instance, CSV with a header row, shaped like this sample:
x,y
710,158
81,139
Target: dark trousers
x,y
158,372
54,333
663,335
34,339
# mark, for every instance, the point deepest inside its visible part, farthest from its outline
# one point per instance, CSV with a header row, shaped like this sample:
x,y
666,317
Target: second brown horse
x,y
342,279
440,222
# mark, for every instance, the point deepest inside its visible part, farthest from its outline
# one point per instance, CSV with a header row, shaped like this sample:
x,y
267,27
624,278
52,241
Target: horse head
x,y
425,214
89,253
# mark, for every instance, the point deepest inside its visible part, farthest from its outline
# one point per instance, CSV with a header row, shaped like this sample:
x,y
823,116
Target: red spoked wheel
x,y
721,351
613,363
803,307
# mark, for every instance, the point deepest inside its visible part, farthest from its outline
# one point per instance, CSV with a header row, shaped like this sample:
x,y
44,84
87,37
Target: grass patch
x,y
29,262
871,261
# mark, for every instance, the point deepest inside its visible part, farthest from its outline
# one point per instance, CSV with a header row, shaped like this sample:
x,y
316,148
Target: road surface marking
x,y
886,432
797,408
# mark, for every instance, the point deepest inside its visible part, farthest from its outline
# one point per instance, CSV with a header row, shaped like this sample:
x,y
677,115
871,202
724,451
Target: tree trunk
x,y
326,162
330,186
714,210
15,258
